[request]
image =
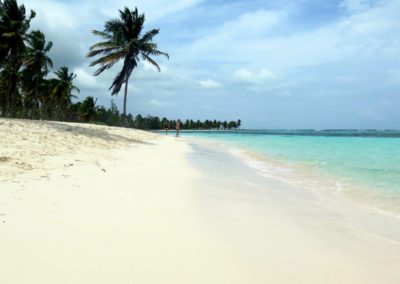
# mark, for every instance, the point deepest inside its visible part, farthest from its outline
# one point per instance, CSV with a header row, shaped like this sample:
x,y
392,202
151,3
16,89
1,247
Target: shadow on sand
x,y
96,132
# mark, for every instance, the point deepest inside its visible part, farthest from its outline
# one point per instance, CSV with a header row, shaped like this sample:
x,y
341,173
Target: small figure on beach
x,y
166,127
178,127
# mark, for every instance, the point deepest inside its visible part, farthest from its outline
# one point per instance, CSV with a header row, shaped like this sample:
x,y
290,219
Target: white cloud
x,y
210,84
73,14
374,22
266,74
54,15
255,23
237,33
157,103
354,5
86,80
154,9
259,77
365,33
243,74
233,48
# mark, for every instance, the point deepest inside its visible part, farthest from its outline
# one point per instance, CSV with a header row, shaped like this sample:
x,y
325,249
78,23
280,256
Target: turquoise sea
x,y
364,165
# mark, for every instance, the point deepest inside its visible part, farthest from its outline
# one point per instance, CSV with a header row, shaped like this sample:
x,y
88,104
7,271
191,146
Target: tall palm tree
x,y
37,65
123,40
62,88
14,25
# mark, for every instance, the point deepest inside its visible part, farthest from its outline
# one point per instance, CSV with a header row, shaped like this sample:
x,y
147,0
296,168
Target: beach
x,y
83,203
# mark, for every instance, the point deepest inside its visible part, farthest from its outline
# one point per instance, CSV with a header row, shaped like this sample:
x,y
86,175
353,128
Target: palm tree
x,y
123,40
88,109
14,26
37,65
62,88
238,123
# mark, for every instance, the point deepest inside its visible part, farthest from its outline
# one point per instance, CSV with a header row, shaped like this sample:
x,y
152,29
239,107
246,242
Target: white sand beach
x,y
86,204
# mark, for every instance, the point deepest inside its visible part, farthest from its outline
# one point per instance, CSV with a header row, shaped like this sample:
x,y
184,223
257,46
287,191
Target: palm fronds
x,y
123,40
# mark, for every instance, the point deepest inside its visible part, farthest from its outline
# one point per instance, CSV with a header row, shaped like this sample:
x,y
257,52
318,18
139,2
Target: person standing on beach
x,y
166,127
178,127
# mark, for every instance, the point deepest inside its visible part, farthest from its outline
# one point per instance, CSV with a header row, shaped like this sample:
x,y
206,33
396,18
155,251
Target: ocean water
x,y
364,165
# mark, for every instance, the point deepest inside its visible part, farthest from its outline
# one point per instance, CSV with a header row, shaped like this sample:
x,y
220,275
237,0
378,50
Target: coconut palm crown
x,y
38,49
37,64
65,84
123,40
14,25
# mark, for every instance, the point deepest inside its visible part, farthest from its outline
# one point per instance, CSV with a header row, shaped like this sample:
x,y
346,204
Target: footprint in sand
x,y
4,159
24,165
3,217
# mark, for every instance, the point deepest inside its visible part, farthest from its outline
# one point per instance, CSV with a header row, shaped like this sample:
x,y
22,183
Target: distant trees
x,y
123,40
208,124
87,109
110,116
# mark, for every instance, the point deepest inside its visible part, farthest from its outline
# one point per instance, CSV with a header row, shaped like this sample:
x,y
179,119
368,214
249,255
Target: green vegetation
x,y
26,91
112,117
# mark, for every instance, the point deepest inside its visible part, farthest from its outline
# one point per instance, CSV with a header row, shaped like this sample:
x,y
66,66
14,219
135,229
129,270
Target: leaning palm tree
x,y
62,88
37,65
123,40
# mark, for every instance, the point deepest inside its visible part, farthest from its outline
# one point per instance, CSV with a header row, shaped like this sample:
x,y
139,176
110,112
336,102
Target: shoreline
x,y
330,200
305,175
305,225
143,208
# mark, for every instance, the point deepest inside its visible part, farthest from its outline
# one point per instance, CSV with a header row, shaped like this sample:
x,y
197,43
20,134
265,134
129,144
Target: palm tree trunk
x,y
8,97
36,101
3,105
125,118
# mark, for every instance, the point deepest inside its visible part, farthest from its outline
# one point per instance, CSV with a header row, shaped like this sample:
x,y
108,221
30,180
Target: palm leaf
x,y
149,59
123,41
109,59
102,34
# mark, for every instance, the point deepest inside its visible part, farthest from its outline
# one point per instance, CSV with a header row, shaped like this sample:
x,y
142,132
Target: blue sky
x,y
272,63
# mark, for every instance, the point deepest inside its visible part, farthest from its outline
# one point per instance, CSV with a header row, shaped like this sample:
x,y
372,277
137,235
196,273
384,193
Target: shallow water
x,y
362,164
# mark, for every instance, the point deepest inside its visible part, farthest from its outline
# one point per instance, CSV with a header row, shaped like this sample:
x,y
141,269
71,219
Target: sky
x,y
274,64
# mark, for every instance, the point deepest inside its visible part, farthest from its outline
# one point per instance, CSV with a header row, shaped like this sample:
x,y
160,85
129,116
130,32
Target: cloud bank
x,y
280,64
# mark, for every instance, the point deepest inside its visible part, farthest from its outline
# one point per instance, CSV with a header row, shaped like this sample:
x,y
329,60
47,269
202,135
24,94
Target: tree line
x,y
29,89
112,117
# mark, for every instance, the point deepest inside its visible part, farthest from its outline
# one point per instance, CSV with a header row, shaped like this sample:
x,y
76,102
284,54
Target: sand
x,y
94,204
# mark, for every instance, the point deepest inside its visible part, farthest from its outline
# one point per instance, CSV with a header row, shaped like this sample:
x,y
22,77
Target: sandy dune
x,y
33,147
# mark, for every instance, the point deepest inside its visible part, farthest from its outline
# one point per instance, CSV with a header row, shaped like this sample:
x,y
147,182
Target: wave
x,y
307,175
